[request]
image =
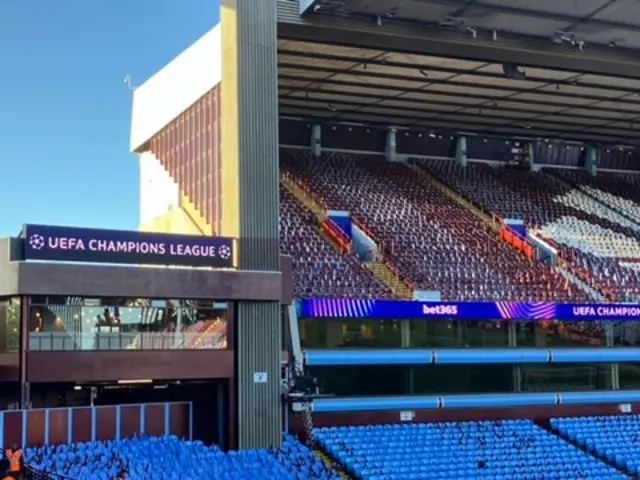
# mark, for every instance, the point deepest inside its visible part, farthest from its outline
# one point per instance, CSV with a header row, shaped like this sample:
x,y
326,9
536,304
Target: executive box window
x,y
565,377
74,323
9,324
554,333
629,375
626,334
458,333
319,333
422,379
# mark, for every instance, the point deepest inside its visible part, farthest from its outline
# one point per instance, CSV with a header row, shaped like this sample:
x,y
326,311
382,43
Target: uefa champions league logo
x,y
36,242
224,252
128,248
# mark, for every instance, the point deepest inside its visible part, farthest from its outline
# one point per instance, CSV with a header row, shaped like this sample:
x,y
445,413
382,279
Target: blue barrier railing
x,y
468,356
360,404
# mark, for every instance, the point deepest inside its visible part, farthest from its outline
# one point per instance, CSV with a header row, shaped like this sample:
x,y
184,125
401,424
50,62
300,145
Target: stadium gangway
x,y
409,403
467,356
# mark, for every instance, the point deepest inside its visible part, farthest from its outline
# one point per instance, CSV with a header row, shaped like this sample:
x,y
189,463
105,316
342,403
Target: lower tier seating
x,y
616,438
168,458
496,450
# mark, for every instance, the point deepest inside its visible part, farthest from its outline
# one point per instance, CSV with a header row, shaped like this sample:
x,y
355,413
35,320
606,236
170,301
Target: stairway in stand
x,y
380,269
455,196
390,278
329,462
304,197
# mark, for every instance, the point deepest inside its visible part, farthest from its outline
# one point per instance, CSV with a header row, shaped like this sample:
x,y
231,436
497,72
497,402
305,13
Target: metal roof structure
x,y
361,61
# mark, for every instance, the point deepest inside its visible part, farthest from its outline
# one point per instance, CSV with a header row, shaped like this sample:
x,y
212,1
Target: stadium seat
x,y
433,241
495,450
615,438
599,241
168,458
320,270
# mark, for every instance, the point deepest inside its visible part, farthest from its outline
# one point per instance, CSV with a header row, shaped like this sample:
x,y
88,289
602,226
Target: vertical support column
x,y
316,140
532,158
591,161
25,390
250,206
461,150
391,151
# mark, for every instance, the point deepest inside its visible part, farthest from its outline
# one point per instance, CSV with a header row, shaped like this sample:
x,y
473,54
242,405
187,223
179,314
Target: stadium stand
x,y
170,458
431,240
593,237
320,269
614,438
496,450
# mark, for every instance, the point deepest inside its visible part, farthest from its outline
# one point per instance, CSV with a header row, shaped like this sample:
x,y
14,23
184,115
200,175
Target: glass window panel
x,y
561,334
629,374
128,324
565,377
358,380
453,379
458,333
405,379
10,324
319,333
626,334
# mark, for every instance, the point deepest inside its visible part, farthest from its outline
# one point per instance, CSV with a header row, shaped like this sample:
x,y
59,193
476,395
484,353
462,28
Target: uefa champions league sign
x,y
70,244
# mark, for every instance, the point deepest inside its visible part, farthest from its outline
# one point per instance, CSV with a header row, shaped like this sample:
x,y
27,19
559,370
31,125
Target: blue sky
x,y
65,112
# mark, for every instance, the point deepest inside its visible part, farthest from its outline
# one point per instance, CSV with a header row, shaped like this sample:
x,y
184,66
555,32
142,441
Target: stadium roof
x,y
360,61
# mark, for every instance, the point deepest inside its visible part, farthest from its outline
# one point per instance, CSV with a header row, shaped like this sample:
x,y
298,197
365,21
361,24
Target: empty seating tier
x,y
502,450
168,458
599,240
616,438
320,270
432,240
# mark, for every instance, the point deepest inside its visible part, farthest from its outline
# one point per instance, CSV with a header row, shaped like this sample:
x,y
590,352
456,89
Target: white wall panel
x,y
158,191
174,88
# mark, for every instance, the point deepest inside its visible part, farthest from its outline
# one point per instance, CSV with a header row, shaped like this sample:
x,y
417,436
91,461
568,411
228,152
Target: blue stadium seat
x,y
168,458
503,450
616,438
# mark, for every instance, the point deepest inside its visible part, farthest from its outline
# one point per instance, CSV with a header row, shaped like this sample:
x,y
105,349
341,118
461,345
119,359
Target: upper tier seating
x,y
167,458
433,241
596,239
616,438
502,450
319,269
619,191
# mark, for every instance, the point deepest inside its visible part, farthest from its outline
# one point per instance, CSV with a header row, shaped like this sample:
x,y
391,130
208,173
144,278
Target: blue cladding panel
x,y
374,404
505,400
582,398
491,356
369,357
595,355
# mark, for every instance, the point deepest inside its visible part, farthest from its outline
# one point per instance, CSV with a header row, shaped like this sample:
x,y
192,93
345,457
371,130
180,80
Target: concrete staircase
x,y
456,197
335,466
390,278
379,269
304,197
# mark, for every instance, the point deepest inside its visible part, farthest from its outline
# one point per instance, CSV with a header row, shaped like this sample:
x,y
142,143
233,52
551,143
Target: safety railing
x,y
336,234
211,338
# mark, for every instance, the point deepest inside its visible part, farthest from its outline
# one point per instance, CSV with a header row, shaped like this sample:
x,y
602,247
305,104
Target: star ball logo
x,y
36,242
